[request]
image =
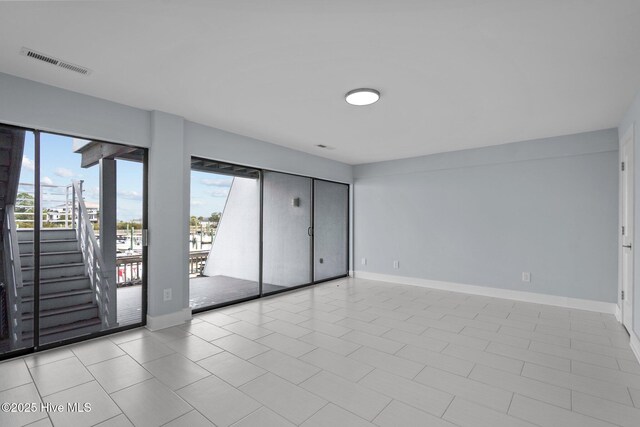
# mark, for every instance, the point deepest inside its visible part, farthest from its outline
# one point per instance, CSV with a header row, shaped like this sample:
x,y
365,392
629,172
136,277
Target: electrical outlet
x,y
526,276
364,261
167,294
396,264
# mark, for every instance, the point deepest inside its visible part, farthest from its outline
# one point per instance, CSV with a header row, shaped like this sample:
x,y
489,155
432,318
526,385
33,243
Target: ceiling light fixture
x,y
362,96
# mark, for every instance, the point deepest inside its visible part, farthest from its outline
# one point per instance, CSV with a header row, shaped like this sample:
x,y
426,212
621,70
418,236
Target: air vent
x,y
324,147
54,61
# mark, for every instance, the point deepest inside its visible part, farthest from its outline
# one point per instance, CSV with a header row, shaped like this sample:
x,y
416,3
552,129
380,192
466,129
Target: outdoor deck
x,y
203,292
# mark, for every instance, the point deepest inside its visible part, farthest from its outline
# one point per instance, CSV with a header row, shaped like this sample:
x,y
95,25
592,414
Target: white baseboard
x,y
532,297
155,323
634,342
618,314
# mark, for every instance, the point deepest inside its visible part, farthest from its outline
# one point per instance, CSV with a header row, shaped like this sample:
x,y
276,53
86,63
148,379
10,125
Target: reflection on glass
x,y
17,166
330,229
286,231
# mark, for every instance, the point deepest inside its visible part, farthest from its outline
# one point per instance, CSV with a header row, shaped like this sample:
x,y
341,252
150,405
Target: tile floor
x,y
345,353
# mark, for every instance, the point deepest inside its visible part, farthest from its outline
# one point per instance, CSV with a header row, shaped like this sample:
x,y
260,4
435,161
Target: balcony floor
x,y
214,290
203,292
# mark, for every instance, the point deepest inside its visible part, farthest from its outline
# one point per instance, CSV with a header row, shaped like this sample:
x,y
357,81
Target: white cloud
x,y
217,182
64,173
46,181
130,195
197,202
219,193
28,164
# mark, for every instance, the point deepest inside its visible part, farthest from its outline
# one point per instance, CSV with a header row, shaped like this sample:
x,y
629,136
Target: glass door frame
x,y
313,281
260,234
35,345
348,231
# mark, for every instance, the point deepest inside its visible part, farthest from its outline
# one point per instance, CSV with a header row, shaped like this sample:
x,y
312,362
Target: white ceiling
x,y
453,74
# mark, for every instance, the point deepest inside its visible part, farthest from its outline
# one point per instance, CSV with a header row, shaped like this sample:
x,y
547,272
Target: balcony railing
x,y
129,267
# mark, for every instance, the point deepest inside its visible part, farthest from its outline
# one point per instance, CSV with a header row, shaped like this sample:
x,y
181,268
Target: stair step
x,y
53,271
57,300
60,284
61,316
69,330
48,234
47,246
51,258
59,294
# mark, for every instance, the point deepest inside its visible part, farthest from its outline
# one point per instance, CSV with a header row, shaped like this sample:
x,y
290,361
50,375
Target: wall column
x,y
167,269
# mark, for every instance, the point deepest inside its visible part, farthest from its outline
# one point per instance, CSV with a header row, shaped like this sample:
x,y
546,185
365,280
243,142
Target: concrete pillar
x,y
108,210
167,269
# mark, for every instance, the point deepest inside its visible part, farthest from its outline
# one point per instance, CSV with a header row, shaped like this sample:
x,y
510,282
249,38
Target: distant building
x,y
57,213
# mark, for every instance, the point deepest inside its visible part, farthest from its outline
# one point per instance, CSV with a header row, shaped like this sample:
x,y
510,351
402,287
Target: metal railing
x,y
92,255
13,275
197,261
129,270
56,204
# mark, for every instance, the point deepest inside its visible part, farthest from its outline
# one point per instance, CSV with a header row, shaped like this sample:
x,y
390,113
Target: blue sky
x,y
209,193
59,165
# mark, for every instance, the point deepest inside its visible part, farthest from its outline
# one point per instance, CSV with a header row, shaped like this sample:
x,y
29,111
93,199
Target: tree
x,y
123,225
24,210
215,217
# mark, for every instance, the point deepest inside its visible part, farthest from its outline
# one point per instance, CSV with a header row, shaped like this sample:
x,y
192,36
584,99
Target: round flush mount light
x,y
362,96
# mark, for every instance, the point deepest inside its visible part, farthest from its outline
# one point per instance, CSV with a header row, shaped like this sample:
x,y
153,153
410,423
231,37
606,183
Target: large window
x,y
72,253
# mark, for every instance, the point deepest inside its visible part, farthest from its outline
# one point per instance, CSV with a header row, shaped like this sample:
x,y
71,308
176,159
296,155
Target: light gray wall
x,y
31,104
484,216
632,118
167,259
207,142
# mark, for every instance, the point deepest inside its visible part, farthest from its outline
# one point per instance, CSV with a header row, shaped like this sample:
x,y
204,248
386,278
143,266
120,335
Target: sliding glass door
x,y
90,230
255,232
287,231
331,230
73,256
224,234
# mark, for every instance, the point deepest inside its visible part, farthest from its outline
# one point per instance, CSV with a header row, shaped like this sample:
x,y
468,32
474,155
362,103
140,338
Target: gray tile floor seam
x,y
38,391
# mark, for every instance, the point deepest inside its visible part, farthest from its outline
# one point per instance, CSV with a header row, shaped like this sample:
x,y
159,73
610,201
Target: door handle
x,y
310,231
626,246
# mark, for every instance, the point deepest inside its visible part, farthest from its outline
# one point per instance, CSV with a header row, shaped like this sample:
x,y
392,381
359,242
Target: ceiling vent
x,y
54,61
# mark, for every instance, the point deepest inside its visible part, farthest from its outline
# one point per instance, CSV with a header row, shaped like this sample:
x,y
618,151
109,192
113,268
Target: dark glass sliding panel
x,y
287,231
224,234
331,228
90,237
17,178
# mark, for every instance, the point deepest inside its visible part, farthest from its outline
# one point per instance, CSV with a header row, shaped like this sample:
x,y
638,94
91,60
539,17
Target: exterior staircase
x,y
11,149
67,305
